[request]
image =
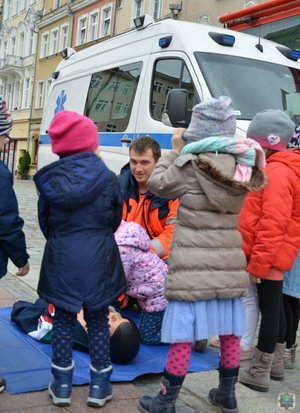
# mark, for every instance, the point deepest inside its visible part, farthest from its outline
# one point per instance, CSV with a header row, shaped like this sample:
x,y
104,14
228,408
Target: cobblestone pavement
x,y
193,396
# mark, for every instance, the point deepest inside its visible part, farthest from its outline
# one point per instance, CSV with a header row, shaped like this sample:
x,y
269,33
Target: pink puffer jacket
x,y
145,271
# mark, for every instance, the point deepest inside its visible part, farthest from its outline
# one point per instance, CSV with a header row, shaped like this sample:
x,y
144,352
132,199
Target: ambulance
x,y
123,83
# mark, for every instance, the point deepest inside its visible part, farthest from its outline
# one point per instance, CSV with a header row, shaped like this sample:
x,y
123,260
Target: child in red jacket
x,y
270,225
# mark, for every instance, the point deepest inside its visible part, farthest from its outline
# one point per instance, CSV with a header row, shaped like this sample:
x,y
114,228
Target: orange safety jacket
x,y
158,214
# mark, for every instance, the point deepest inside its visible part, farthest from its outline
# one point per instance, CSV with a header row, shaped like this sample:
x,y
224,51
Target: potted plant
x,y
23,165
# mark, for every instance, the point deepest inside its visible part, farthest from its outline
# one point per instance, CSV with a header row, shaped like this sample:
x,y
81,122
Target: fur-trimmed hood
x,y
215,172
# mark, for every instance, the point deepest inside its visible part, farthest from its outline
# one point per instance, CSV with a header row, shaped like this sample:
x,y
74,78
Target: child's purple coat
x,y
144,270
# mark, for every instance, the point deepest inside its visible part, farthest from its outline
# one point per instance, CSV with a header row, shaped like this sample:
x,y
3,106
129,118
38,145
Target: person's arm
x,y
161,244
165,179
12,238
275,215
43,216
118,207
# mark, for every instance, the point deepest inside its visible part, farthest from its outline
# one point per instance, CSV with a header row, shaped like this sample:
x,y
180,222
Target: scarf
x,y
247,152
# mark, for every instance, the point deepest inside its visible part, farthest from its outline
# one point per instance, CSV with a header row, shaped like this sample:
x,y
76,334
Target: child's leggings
x,y
179,355
98,334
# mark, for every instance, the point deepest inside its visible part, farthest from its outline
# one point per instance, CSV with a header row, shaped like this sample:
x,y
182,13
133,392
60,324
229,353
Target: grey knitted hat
x,y
5,120
212,117
272,129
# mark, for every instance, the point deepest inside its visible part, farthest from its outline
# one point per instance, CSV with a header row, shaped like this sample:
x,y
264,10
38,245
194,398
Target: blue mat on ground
x,y
25,363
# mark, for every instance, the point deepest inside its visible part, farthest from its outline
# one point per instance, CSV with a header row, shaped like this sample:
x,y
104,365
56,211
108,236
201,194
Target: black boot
x,y
2,384
224,396
165,401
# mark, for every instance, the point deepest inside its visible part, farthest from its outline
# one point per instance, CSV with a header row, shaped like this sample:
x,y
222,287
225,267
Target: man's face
x,y
142,165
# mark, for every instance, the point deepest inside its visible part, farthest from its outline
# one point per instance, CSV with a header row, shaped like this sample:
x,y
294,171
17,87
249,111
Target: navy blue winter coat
x,y
12,240
80,207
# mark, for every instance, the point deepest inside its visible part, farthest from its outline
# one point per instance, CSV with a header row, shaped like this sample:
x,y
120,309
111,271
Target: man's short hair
x,y
142,144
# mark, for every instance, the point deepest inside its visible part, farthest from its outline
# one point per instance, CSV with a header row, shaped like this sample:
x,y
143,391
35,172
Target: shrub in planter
x,y
24,164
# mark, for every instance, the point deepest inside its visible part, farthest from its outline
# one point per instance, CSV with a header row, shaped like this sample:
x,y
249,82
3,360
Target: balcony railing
x,y
10,60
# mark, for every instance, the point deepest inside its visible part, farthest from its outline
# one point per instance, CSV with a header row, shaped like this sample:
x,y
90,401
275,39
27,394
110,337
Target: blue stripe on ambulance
x,y
113,138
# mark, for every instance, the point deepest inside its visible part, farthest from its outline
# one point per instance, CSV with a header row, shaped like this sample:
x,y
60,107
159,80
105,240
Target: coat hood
x,y
215,172
131,234
291,158
73,181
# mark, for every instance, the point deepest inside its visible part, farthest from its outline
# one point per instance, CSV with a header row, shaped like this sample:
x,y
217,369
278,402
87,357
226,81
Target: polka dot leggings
x,y
179,355
98,334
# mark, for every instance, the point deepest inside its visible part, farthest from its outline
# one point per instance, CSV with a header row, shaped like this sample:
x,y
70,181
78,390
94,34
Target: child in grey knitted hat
x,y
212,117
272,128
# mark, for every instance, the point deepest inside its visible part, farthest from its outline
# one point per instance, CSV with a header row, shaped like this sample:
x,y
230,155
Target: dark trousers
x,y
292,315
98,335
272,325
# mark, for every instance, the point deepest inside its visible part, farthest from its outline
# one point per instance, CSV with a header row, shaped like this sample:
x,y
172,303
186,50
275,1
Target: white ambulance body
x,y
122,83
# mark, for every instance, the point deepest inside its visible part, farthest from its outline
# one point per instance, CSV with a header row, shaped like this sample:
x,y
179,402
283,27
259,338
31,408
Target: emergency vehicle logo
x,y
60,101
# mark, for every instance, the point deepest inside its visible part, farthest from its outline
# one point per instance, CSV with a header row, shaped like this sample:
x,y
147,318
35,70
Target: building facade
x,y
34,33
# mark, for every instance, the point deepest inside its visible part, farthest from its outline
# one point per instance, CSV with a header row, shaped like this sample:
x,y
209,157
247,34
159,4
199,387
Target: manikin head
x,y
124,338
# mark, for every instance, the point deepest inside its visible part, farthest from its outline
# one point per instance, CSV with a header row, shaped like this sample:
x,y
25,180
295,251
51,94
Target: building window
x,y
110,127
118,107
101,105
113,86
26,93
138,8
156,9
13,46
39,94
31,42
44,45
94,19
105,21
157,86
56,4
22,4
81,35
15,7
21,44
53,41
64,37
16,96
7,9
48,84
5,49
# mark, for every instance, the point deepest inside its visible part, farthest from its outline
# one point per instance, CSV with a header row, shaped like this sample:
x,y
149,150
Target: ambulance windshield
x,y
253,85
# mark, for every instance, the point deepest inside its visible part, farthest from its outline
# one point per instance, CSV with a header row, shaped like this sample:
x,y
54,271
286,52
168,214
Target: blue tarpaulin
x,y
26,363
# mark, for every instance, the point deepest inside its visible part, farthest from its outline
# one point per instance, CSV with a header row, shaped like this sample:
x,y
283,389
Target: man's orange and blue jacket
x,y
158,214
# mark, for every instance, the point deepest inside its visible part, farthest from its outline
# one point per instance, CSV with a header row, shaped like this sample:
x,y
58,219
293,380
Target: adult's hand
x,y
23,270
177,140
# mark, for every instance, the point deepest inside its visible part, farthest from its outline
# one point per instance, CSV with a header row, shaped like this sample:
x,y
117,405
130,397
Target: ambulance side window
x,y
170,74
111,95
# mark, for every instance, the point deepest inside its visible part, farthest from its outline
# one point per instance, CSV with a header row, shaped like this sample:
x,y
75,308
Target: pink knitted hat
x,y
72,133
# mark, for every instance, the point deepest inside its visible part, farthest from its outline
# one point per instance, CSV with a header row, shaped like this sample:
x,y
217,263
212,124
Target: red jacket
x,y
270,219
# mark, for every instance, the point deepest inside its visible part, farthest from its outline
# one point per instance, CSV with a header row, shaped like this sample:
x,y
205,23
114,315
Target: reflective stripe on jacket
x,y
158,216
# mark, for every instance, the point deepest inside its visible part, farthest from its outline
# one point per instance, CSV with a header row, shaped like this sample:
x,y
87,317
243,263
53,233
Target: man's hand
x,y
177,140
23,270
255,279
